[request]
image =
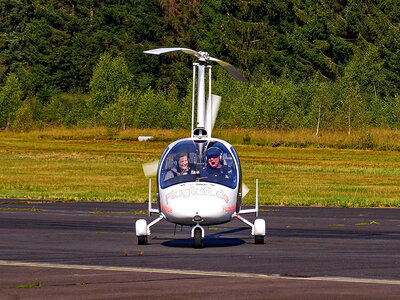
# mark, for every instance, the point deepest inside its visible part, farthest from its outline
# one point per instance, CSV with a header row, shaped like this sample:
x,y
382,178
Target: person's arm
x,y
170,174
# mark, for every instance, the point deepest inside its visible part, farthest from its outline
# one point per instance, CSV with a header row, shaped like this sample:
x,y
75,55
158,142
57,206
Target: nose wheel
x,y
198,237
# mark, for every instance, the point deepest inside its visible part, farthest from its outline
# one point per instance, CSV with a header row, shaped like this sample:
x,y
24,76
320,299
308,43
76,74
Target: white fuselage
x,y
214,203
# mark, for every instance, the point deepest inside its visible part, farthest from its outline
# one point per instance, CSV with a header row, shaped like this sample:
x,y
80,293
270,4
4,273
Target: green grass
x,y
106,165
137,212
28,286
21,209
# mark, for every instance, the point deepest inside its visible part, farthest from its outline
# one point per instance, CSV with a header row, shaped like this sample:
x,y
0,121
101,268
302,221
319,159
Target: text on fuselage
x,y
196,191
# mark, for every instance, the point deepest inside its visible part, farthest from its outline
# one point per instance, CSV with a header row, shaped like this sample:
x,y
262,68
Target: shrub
x,y
23,120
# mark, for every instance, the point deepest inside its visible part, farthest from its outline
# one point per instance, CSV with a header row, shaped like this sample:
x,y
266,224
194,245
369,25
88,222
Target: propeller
x,y
202,56
150,169
215,100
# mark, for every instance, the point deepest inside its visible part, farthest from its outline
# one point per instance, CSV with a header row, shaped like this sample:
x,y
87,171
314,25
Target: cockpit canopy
x,y
189,161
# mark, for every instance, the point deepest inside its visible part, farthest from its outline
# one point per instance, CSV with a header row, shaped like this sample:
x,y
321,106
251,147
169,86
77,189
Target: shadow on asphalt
x,y
208,242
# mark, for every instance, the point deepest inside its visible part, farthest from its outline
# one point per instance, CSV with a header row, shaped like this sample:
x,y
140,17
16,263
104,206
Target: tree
x,y
10,100
109,76
322,102
352,105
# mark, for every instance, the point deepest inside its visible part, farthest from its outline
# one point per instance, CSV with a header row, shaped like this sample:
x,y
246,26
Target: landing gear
x,y
258,239
259,231
142,240
141,231
197,238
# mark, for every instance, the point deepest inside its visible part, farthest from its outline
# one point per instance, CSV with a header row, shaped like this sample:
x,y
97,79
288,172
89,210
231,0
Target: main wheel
x,y
259,231
142,240
198,239
259,239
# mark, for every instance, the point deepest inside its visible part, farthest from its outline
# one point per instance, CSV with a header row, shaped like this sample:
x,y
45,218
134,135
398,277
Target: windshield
x,y
207,162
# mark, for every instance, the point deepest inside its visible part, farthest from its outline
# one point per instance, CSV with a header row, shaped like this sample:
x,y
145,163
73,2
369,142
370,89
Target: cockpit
x,y
189,161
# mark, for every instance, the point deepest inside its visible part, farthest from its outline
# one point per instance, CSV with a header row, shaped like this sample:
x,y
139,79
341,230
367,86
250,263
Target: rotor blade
x,y
201,55
231,69
150,169
159,51
245,189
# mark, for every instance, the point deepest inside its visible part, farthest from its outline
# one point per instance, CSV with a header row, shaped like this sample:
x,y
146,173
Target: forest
x,y
333,65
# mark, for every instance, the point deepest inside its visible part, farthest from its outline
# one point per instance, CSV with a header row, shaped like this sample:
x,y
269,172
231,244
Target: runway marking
x,y
196,272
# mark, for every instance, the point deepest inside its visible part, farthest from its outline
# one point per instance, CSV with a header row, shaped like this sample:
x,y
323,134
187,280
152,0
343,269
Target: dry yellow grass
x,y
105,165
376,139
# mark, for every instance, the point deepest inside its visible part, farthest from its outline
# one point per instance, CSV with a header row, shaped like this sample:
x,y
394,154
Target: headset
x,y
178,156
215,150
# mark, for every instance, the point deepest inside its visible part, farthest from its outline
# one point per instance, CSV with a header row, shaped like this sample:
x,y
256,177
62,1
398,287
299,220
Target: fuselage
x,y
192,188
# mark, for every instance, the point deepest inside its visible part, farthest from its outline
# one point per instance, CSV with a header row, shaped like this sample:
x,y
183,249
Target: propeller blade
x,y
245,190
231,69
150,169
159,51
216,100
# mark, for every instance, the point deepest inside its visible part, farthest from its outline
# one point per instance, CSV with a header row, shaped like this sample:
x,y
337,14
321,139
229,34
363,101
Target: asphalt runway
x,y
89,251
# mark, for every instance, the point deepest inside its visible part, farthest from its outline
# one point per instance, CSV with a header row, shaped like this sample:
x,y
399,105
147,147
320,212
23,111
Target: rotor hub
x,y
203,56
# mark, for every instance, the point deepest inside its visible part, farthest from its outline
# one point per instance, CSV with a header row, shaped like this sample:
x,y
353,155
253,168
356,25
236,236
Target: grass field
x,y
106,165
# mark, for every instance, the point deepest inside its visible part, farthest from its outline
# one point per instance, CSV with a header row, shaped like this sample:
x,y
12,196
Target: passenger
x,y
214,169
182,167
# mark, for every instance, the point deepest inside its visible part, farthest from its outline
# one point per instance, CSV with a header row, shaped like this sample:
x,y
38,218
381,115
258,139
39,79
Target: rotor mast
x,y
201,97
202,119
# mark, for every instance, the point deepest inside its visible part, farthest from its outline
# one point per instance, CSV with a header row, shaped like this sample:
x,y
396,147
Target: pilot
x,y
182,167
214,168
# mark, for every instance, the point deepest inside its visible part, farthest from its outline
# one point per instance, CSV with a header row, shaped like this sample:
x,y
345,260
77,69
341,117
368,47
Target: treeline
x,y
323,64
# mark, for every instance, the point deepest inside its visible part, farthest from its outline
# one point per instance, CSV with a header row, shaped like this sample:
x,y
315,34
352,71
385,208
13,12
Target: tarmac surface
x,y
82,250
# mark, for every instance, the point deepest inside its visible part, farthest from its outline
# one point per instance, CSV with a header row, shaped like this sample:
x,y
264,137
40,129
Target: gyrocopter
x,y
199,180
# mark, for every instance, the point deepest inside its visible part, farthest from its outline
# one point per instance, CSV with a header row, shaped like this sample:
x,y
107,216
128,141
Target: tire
x,y
197,239
259,227
141,227
142,240
259,239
